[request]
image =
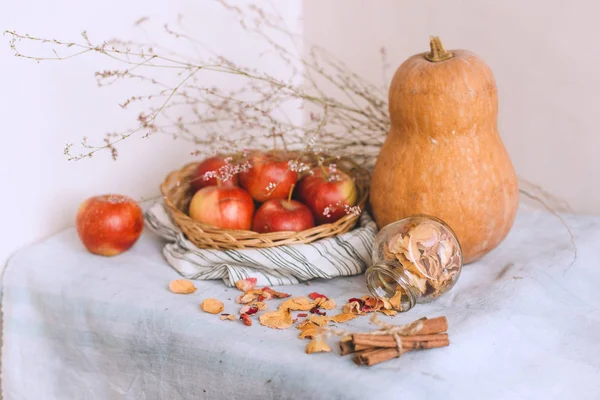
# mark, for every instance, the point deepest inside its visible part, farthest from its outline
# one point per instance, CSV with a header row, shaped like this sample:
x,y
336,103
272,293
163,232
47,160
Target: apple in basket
x,y
328,193
223,207
109,224
269,177
278,215
210,171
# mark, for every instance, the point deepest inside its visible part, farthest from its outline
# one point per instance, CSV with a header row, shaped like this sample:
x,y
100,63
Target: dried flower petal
x,y
280,319
309,332
389,312
311,327
325,303
230,317
275,294
265,296
395,301
398,244
424,233
297,304
246,319
212,306
445,251
249,309
370,302
260,305
352,308
302,315
317,345
340,318
386,303
182,286
305,324
246,284
315,310
315,295
246,298
253,308
319,320
428,255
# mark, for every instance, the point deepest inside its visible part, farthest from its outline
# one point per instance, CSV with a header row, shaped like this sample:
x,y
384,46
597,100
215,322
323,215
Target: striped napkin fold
x,y
342,255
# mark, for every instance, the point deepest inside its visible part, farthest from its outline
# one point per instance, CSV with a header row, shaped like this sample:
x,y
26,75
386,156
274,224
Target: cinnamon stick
x,y
441,342
347,347
375,356
389,341
378,355
360,347
433,325
428,327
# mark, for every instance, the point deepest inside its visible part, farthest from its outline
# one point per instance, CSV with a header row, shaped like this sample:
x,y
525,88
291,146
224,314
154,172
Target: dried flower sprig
x,y
349,120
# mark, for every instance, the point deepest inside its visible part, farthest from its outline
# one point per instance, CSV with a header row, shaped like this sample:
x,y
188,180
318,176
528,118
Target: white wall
x,y
544,54
43,106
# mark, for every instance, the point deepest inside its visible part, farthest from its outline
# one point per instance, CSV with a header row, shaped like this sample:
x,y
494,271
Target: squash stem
x,y
438,53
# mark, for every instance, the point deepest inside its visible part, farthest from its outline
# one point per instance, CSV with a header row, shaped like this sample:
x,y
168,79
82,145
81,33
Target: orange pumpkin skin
x,y
443,155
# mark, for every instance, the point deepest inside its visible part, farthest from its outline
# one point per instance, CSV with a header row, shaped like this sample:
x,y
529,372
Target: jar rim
x,y
391,269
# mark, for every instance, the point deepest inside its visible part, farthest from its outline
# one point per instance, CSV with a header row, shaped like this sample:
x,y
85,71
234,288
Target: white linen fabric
x,y
343,255
523,324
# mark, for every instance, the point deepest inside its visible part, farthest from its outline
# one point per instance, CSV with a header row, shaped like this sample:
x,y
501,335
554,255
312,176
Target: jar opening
x,y
384,279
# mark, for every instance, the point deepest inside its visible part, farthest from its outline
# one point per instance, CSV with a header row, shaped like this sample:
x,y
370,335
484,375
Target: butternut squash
x,y
443,155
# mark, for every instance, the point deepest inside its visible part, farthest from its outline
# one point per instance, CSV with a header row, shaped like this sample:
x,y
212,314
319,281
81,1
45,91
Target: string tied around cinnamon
x,y
396,331
391,341
398,340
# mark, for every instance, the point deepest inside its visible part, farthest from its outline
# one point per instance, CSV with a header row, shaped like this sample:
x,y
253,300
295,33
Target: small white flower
x,y
270,186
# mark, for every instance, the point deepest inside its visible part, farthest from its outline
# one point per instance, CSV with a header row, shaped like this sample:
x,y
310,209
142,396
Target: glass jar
x,y
415,260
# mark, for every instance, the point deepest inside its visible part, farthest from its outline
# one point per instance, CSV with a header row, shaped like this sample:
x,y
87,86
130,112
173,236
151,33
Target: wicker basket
x,y
177,194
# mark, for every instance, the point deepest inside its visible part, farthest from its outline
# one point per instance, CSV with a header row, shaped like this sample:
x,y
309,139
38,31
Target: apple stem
x,y
289,200
218,181
324,171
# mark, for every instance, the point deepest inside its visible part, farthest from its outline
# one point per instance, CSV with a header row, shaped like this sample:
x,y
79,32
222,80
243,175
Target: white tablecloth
x,y
78,326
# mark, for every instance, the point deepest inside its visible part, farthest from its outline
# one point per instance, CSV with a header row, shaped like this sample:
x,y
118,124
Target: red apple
x,y
223,207
327,192
282,215
109,224
269,177
207,172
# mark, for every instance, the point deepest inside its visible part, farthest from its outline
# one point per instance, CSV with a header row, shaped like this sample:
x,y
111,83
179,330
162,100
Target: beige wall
x,y
545,56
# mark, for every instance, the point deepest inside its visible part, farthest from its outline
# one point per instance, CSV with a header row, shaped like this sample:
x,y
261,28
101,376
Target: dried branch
x,y
355,124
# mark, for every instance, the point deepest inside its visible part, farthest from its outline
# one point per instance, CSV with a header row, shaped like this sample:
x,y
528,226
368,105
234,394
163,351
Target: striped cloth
x,y
342,255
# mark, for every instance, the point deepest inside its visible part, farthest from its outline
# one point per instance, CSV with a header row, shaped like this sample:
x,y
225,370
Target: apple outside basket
x,y
177,194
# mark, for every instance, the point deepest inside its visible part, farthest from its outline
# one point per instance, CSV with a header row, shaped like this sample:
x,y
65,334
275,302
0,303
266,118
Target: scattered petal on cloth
x,y
344,255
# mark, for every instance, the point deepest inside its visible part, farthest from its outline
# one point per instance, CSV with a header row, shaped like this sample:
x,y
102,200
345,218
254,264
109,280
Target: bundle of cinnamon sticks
x,y
376,347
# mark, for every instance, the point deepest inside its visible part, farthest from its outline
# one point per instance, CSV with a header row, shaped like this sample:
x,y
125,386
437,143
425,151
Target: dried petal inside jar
x,y
429,258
